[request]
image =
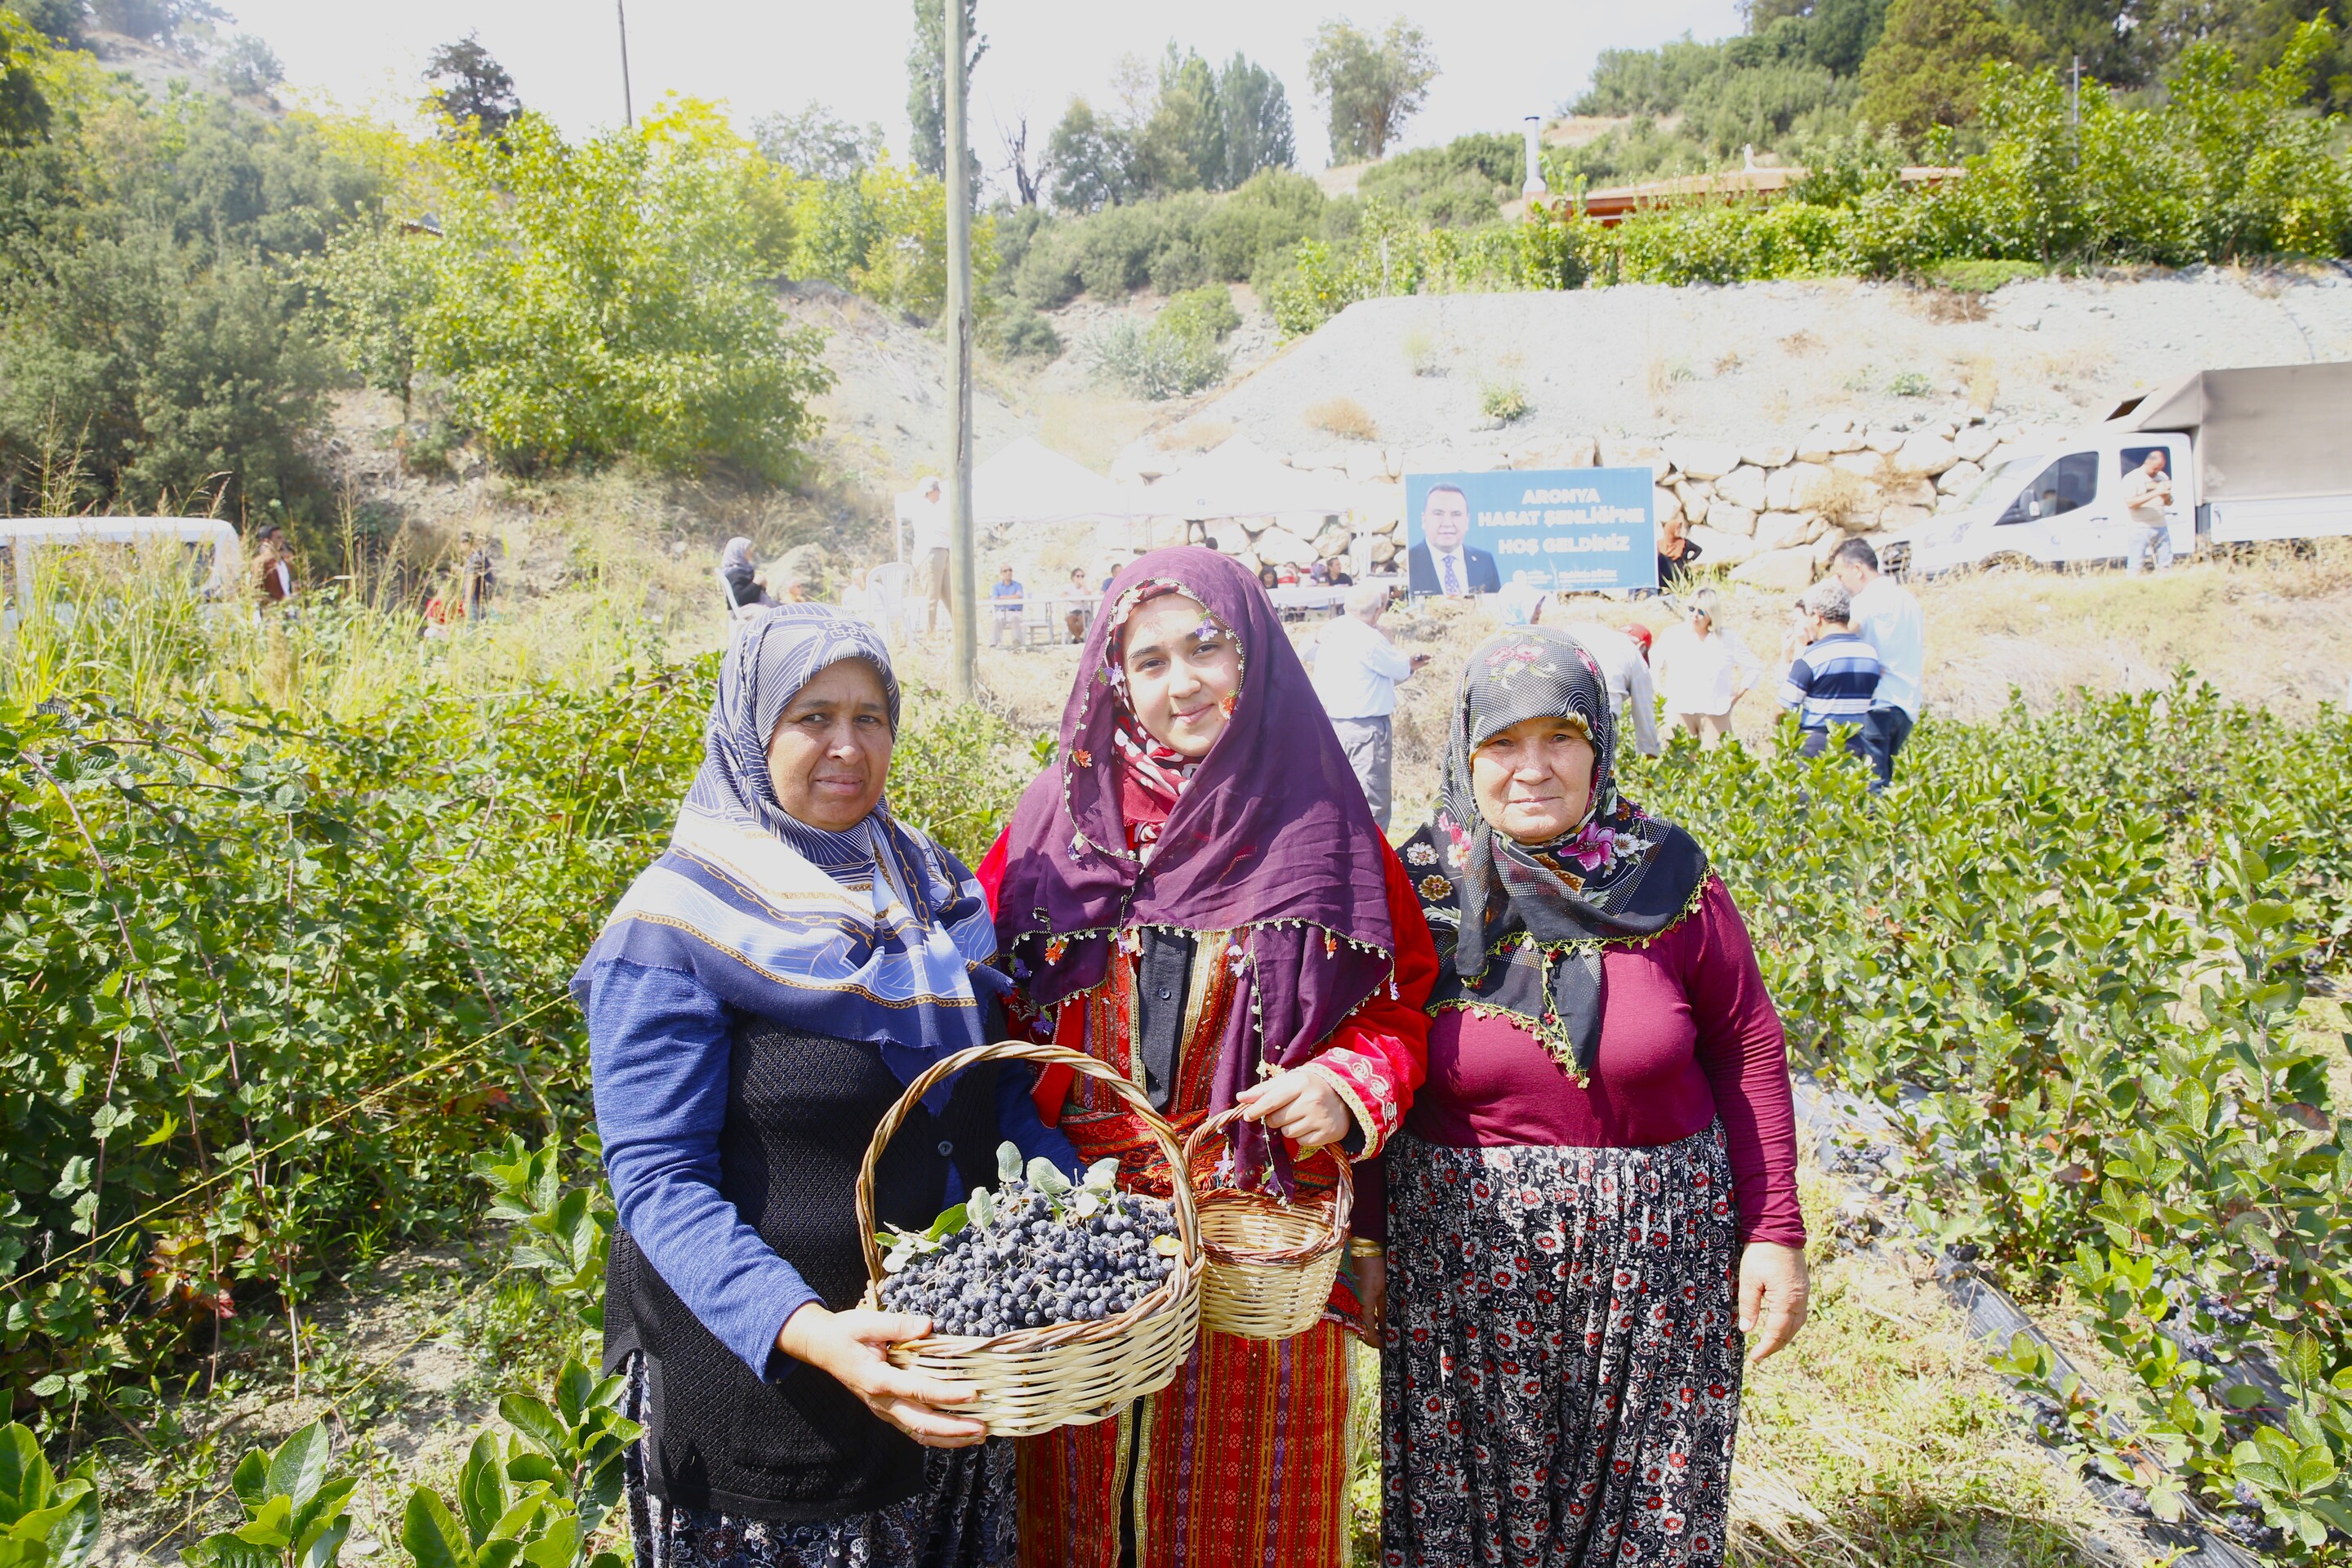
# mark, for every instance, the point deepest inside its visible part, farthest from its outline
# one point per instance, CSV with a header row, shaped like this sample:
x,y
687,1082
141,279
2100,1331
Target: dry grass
x,y
1951,305
1843,499
1344,417
1799,343
1195,436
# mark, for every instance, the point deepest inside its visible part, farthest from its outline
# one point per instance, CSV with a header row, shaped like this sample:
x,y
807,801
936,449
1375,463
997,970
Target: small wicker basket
x,y
1271,1263
1059,1374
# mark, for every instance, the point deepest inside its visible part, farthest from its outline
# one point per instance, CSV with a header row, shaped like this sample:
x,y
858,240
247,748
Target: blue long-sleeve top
x,y
658,1046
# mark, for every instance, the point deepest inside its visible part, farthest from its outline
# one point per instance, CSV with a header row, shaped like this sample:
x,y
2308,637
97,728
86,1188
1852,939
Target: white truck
x,y
2259,453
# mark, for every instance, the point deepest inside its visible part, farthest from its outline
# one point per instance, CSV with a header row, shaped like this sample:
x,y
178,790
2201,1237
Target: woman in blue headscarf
x,y
755,1004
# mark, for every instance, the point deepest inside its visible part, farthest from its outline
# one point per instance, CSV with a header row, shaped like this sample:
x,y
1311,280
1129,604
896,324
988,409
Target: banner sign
x,y
1565,530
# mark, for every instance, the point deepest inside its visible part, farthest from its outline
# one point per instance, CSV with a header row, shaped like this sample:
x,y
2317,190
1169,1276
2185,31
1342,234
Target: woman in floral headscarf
x,y
1196,893
1597,1181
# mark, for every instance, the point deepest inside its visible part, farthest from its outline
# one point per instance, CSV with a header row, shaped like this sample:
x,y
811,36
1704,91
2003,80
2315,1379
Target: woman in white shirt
x,y
1702,669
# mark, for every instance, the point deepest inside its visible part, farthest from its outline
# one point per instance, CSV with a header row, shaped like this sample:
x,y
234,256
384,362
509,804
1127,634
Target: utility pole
x,y
628,109
963,570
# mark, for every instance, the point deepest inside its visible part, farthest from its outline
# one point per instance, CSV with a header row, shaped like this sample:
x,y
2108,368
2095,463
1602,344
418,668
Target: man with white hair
x,y
927,516
1625,665
1356,673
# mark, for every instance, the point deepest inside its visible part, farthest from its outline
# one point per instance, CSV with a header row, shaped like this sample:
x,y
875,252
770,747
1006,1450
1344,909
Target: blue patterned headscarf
x,y
874,933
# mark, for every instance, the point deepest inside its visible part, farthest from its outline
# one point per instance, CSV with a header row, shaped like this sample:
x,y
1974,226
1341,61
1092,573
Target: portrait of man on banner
x,y
1443,561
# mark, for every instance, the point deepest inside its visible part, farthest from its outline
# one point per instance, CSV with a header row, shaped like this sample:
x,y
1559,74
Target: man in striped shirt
x,y
1833,672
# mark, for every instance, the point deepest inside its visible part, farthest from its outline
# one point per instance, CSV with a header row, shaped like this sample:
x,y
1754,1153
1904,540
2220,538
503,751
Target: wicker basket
x,y
1271,1263
1060,1374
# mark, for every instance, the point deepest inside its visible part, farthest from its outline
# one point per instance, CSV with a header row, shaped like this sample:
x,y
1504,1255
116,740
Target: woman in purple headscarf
x,y
1195,893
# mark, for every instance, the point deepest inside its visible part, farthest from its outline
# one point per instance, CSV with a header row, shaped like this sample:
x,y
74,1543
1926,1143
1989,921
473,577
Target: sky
x,y
1501,59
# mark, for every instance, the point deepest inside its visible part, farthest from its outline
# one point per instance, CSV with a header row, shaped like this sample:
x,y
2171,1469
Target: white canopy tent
x,y
1030,483
1240,478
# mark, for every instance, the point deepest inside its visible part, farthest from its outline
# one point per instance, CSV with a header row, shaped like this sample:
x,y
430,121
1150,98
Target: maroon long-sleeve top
x,y
1688,1035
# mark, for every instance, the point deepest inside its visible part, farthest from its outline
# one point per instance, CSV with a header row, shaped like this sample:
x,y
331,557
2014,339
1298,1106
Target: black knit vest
x,y
795,1445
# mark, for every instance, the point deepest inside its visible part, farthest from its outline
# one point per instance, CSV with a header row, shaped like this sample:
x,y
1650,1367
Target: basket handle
x,y
1343,1198
1180,1187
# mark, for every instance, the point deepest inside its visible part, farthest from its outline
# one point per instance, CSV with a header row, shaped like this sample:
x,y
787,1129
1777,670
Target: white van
x,y
2060,506
210,549
2260,453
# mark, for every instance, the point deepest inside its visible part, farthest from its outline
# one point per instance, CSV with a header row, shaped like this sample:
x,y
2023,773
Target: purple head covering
x,y
1270,841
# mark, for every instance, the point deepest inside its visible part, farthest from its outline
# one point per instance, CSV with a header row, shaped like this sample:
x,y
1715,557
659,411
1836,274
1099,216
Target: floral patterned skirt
x,y
963,1517
1561,1382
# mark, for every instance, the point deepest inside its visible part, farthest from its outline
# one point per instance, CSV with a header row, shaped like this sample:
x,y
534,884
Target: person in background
x,y
1441,562
1186,895
1887,617
1677,553
1625,664
1703,669
2147,491
1592,1208
1285,574
756,1005
1081,613
928,519
273,567
1267,577
1833,674
1319,574
1356,673
1005,601
481,578
744,589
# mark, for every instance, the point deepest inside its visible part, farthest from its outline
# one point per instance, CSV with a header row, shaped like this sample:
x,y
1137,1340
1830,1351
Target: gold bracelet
x,y
1360,1248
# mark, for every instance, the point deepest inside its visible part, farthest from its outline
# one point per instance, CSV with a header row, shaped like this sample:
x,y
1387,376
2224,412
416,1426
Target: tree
x,y
59,20
1834,35
472,89
152,19
1026,182
1370,88
926,84
24,113
1090,158
818,144
1927,68
2106,36
1256,115
1180,146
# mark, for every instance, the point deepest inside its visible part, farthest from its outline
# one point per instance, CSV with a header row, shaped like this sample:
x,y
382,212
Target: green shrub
x,y
1154,361
1980,277
1021,332
1203,312
1502,401
2065,954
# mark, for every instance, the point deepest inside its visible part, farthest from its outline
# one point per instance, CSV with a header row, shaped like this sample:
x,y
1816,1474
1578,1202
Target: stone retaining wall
x,y
1772,513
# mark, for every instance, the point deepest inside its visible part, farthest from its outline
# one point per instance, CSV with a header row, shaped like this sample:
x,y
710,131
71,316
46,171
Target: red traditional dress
x,y
1244,1458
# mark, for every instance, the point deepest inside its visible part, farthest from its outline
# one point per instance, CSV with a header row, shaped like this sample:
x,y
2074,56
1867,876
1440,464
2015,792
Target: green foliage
x,y
152,306
470,89
295,1509
1369,86
1205,128
560,1233
1502,401
1173,244
2065,954
44,1522
598,301
1390,255
24,111
1178,355
1458,185
1928,67
926,84
538,1498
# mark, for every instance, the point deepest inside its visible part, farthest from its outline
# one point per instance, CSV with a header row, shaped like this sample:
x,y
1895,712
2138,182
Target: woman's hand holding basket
x,y
851,1348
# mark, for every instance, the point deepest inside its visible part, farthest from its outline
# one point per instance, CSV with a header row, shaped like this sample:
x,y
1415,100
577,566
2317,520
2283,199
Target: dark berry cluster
x,y
1038,1250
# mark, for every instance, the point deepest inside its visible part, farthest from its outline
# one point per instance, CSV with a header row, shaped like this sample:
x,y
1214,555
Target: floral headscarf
x,y
1521,928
